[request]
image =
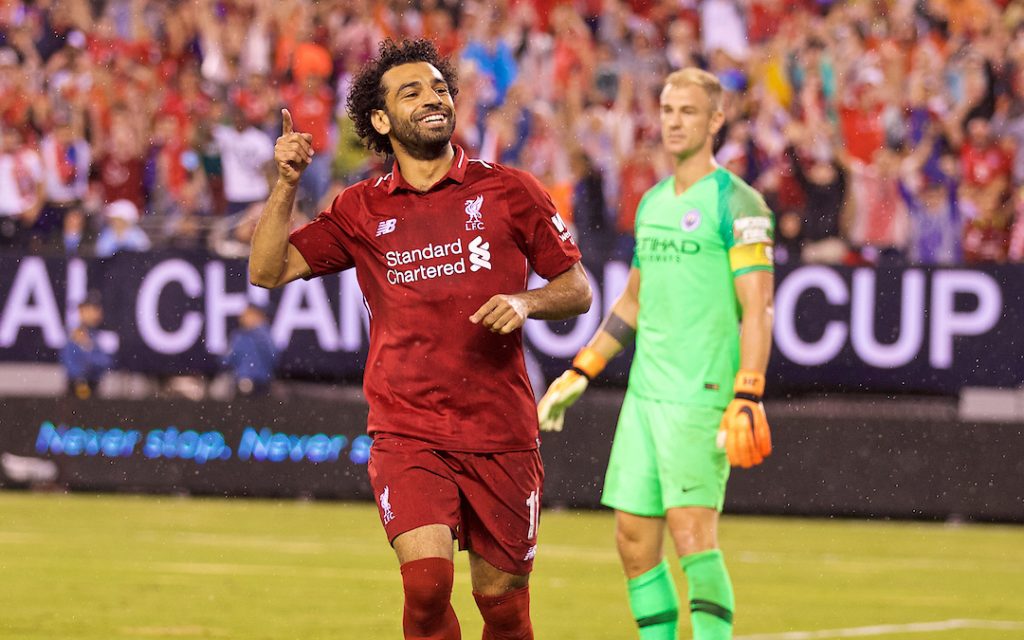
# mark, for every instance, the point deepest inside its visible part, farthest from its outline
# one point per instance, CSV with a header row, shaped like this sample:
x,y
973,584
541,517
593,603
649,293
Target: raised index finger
x,y
286,122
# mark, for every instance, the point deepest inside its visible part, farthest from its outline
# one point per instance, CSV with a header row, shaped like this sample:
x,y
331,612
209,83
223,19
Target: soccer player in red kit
x,y
441,247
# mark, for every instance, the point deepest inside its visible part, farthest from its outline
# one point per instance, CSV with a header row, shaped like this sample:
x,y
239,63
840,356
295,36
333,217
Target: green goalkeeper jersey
x,y
689,247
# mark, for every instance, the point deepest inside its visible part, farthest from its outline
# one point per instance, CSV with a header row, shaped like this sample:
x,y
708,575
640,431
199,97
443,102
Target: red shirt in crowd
x,y
122,179
985,241
636,178
863,131
765,17
188,110
425,262
983,165
311,112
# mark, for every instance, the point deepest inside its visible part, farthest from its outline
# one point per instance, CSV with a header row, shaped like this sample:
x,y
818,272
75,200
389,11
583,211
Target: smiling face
x,y
689,120
419,113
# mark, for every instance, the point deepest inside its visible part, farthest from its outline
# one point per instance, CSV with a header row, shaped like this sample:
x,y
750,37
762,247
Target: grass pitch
x,y
120,567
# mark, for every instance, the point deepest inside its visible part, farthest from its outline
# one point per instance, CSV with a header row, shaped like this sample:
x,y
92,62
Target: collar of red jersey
x,y
457,172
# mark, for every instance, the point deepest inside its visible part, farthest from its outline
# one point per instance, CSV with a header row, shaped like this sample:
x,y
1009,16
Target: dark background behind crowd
x,y
881,130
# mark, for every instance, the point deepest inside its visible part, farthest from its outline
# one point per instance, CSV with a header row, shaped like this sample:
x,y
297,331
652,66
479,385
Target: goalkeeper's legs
x,y
503,599
426,554
652,594
694,531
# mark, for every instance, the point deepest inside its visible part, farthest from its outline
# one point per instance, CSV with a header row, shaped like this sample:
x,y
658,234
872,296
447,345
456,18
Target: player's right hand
x,y
563,392
293,151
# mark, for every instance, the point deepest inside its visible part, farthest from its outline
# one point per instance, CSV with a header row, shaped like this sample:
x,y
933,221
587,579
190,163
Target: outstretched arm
x,y
274,261
564,296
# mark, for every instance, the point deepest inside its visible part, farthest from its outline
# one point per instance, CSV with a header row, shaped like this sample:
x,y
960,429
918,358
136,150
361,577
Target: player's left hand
x,y
744,432
502,314
561,394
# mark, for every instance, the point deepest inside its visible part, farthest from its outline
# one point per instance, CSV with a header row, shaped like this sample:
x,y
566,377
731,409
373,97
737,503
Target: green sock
x,y
711,598
655,603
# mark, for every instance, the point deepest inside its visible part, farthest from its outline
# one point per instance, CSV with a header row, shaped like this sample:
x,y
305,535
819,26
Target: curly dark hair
x,y
367,92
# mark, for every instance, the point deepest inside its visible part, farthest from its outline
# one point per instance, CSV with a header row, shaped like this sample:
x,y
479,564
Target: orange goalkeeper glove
x,y
743,432
568,387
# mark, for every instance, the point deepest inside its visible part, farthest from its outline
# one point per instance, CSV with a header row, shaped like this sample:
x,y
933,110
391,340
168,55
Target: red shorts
x,y
490,501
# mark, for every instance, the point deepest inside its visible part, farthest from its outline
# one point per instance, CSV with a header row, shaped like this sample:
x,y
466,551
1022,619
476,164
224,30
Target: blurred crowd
x,y
878,130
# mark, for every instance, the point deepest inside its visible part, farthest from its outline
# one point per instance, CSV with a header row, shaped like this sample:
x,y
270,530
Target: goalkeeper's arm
x,y
615,333
744,431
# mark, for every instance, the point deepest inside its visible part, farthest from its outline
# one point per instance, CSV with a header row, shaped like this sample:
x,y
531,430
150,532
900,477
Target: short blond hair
x,y
698,77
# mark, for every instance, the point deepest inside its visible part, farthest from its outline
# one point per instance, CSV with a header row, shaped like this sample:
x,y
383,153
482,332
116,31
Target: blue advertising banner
x,y
842,464
879,330
257,447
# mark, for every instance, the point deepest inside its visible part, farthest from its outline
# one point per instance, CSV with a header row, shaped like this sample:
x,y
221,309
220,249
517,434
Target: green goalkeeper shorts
x,y
664,456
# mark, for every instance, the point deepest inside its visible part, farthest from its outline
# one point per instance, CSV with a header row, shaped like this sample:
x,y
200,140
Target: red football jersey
x,y
426,261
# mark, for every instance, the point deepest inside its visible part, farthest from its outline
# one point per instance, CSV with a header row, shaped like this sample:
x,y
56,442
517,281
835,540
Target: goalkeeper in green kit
x,y
698,302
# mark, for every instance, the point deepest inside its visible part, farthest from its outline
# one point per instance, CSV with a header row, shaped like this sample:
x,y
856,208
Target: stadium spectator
x,y
490,53
880,72
245,154
637,175
83,357
66,162
21,184
311,102
931,200
121,157
589,212
823,183
252,355
431,422
121,230
880,222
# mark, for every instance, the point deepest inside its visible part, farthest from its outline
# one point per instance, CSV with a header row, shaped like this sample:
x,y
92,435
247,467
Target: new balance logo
x,y
563,231
385,505
386,226
531,553
559,224
479,254
475,222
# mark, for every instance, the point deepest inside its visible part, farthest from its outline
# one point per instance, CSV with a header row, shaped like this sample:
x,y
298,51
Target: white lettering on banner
x,y
862,323
788,294
947,323
563,345
837,315
219,305
77,289
147,307
304,305
32,303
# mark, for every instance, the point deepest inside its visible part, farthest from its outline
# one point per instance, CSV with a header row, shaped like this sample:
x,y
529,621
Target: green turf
x,y
111,567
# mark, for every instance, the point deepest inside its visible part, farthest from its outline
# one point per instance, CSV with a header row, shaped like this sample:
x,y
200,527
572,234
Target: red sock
x,y
506,617
428,613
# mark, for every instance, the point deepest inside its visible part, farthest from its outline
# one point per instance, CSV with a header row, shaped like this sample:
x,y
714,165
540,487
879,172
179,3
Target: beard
x,y
421,142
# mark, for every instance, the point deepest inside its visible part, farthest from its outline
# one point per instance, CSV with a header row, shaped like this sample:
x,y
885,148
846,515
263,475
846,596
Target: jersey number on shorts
x,y
534,503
